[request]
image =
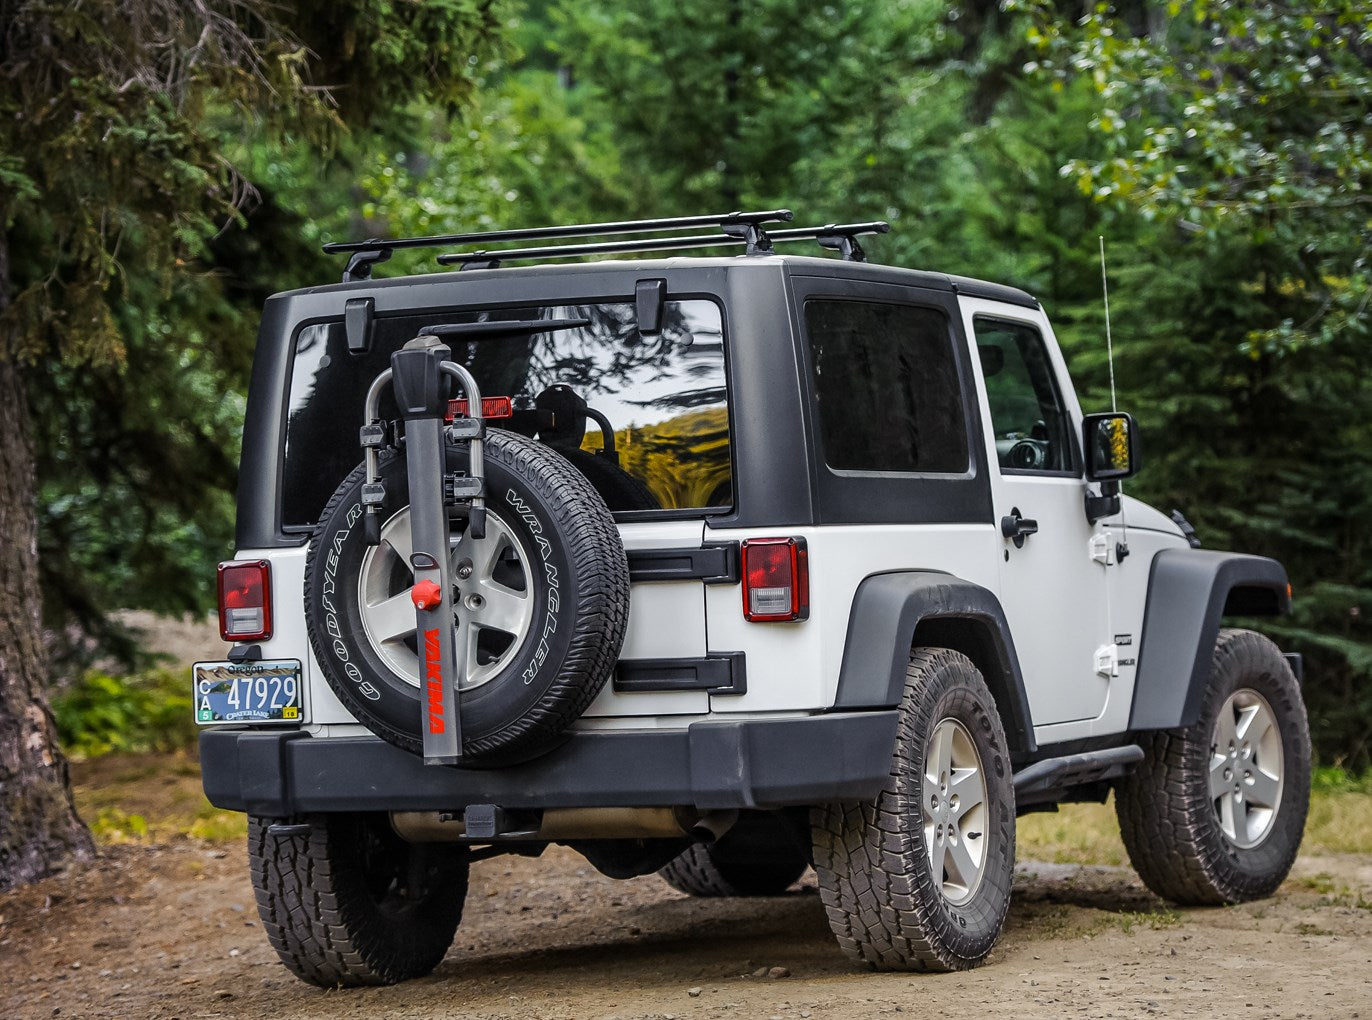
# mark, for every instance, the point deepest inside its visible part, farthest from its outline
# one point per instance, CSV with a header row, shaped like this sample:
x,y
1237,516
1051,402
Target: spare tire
x,y
619,489
540,616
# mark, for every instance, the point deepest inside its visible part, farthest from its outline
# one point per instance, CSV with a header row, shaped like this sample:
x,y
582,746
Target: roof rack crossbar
x,y
843,238
721,220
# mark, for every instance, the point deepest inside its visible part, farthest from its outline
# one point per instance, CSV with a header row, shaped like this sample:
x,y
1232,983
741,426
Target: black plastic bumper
x,y
760,763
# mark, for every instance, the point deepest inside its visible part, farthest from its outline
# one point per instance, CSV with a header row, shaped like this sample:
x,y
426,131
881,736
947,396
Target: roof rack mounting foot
x,y
361,262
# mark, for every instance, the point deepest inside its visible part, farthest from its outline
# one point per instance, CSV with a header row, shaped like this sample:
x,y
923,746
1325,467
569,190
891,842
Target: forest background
x,y
1224,150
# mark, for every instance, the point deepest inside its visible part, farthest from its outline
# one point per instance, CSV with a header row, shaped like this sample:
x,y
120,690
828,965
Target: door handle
x,y
1017,528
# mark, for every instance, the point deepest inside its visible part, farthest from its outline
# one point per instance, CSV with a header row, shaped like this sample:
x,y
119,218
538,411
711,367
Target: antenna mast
x,y
1109,341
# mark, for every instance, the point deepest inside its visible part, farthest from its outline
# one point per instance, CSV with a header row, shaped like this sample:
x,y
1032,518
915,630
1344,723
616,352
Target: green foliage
x,y
150,711
136,249
1230,140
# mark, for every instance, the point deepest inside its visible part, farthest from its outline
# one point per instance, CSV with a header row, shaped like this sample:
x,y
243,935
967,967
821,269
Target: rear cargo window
x,y
659,402
887,387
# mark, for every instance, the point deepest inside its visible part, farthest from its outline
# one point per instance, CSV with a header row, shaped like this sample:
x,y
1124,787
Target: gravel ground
x,y
171,931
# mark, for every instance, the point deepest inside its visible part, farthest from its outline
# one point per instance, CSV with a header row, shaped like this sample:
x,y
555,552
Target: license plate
x,y
265,691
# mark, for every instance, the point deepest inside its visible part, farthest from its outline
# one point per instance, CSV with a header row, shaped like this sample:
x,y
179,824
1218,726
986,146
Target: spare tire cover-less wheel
x,y
540,604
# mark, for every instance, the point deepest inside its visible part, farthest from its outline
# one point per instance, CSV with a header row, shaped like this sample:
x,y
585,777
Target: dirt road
x,y
172,932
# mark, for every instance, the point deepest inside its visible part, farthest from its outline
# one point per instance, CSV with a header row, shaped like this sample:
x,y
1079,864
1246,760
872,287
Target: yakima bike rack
x,y
422,376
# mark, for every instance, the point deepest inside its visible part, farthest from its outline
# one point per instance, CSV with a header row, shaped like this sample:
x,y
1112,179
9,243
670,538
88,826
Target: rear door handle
x,y
1017,527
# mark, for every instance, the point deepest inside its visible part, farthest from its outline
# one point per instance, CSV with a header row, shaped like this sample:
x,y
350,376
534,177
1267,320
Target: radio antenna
x,y
1122,547
1109,340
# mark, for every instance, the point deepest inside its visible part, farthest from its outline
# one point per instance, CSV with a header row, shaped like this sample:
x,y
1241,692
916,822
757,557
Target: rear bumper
x,y
760,763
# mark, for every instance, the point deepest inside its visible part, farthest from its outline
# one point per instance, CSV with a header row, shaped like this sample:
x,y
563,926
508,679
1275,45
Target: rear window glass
x,y
887,387
659,402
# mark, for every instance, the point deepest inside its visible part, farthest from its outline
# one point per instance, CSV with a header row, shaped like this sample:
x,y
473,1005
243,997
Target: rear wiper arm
x,y
481,330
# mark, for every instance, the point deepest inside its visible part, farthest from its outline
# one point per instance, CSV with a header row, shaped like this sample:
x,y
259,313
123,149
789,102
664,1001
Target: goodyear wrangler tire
x,y
540,603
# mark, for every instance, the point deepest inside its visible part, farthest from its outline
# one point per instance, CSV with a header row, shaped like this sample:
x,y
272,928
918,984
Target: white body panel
x,y
666,621
796,665
1055,595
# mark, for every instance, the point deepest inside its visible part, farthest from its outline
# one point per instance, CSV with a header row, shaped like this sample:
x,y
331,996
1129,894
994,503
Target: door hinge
x,y
1108,661
1101,549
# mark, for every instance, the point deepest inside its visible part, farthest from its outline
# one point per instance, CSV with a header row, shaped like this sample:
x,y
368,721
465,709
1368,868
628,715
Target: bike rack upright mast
x,y
419,376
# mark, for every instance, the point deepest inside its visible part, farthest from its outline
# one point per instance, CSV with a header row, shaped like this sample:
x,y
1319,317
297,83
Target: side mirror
x,y
1108,441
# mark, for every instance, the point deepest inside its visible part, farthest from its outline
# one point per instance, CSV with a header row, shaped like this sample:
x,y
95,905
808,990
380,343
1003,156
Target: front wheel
x,y
345,901
1215,811
919,879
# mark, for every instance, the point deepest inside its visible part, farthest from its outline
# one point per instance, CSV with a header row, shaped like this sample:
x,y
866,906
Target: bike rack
x,y
422,376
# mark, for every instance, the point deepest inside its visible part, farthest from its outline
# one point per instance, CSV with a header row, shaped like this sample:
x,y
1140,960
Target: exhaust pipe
x,y
558,824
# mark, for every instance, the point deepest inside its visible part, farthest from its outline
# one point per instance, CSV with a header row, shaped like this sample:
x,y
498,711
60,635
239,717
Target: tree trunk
x,y
39,828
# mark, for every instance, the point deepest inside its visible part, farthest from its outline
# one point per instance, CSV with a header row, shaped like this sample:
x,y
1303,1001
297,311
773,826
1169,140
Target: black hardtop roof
x,y
795,265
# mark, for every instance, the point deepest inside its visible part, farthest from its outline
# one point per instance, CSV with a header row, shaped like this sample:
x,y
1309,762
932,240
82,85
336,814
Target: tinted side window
x,y
1027,415
887,387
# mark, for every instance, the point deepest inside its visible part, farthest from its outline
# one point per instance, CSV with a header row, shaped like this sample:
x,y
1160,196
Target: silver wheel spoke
x,y
964,866
966,787
940,754
1219,782
1224,734
502,608
1262,789
398,539
938,851
392,619
1246,768
1226,805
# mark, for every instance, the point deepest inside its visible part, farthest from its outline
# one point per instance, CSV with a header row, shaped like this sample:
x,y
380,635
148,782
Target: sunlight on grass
x,y
1340,821
1075,834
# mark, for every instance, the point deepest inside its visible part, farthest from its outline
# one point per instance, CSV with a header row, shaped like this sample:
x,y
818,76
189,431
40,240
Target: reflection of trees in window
x,y
606,356
684,461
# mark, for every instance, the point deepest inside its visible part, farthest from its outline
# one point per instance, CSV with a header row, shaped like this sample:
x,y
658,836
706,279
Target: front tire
x,y
919,879
346,902
1215,811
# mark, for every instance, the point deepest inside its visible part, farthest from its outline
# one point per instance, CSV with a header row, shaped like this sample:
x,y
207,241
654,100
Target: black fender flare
x,y
889,611
1189,591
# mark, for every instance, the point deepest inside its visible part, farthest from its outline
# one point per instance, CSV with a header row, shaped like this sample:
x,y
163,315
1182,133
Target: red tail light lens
x,y
491,407
245,600
776,579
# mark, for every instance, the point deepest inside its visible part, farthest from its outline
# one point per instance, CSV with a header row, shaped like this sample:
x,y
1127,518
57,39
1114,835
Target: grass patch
x,y
1340,821
150,798
1075,834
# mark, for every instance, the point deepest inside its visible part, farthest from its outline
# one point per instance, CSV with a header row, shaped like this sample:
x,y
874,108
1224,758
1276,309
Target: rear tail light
x,y
776,579
245,600
491,407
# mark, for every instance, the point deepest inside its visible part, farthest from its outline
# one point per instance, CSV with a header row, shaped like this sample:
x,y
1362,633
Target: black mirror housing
x,y
1111,448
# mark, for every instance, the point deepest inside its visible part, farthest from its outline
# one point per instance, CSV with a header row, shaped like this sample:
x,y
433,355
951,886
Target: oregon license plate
x,y
265,691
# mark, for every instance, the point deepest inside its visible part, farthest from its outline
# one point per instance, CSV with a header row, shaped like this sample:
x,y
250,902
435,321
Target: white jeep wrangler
x,y
718,567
